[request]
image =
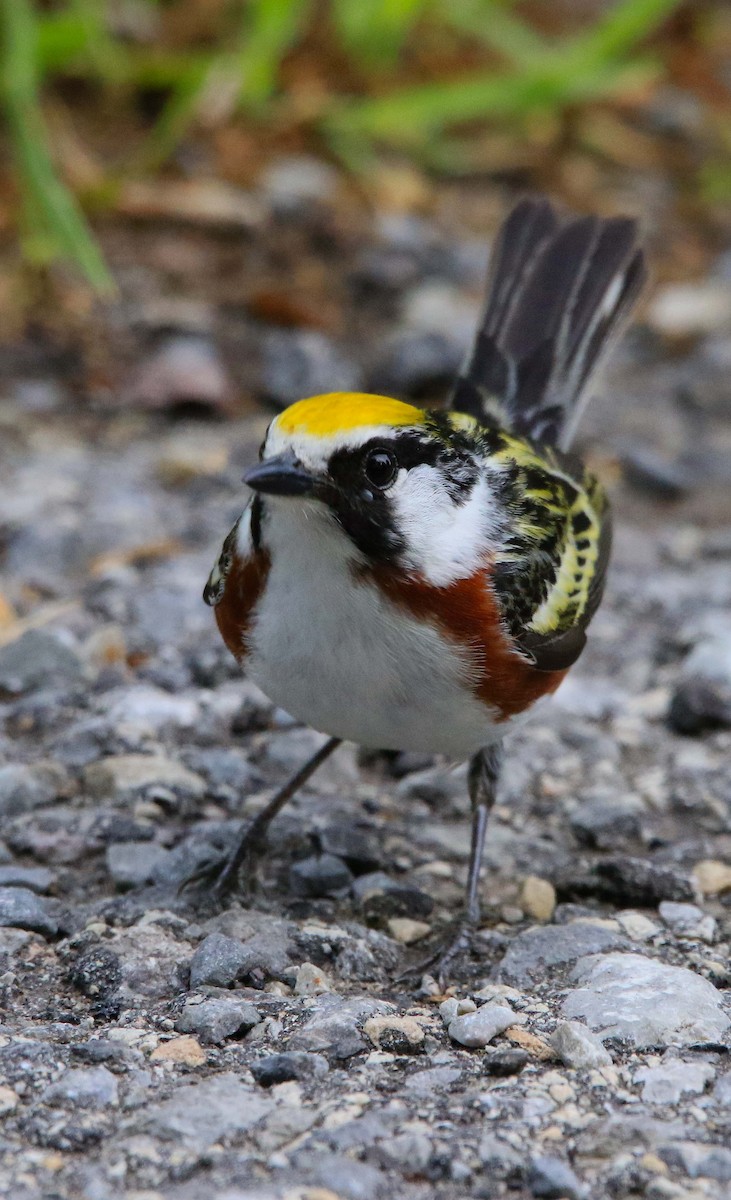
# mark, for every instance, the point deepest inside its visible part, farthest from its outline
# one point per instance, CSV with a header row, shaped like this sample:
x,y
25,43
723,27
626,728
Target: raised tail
x,y
558,295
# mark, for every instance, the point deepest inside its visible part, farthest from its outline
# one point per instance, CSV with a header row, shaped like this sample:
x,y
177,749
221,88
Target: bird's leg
x,y
222,876
482,780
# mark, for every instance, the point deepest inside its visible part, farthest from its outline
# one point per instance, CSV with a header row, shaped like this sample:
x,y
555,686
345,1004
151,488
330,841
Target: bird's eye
x,y
381,468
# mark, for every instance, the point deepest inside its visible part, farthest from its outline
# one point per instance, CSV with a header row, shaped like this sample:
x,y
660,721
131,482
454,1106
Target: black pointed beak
x,y
282,475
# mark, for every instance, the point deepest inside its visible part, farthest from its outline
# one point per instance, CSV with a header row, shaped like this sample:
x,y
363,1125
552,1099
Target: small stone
x,y
534,1045
280,1068
185,1050
37,659
686,920
183,369
37,879
645,1002
335,1026
311,980
451,1008
382,898
712,877
9,1100
627,881
23,788
133,864
198,1115
577,1047
603,824
407,931
699,1161
637,926
22,909
219,960
553,1179
215,1020
691,309
398,1035
538,898
532,952
671,1080
123,774
505,1062
84,1087
319,875
478,1028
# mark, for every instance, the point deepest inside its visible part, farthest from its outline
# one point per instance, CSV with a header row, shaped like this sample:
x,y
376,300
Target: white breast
x,y
330,651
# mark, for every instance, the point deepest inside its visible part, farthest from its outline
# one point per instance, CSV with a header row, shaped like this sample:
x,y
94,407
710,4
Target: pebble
x,y
552,1179
538,898
185,1050
37,879
601,824
712,877
637,926
311,980
319,875
644,1002
699,1161
215,1020
476,1029
37,659
628,881
335,1026
292,1064
532,952
133,864
84,1087
577,1047
666,1083
404,929
397,1035
9,1100
183,369
198,1115
21,908
505,1062
124,774
685,310
219,960
24,788
686,920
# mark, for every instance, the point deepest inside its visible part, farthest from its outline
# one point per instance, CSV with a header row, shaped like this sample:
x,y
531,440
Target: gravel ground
x,y
150,1047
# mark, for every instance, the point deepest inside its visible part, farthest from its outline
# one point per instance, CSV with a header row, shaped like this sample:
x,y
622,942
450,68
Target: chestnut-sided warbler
x,y
414,580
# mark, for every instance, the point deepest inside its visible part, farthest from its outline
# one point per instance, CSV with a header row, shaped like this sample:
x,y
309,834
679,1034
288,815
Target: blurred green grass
x,y
242,69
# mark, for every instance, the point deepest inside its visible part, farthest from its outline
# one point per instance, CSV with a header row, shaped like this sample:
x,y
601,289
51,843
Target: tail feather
x,y
558,295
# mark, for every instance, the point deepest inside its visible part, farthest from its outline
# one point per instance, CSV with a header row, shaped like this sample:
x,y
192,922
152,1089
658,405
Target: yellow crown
x,y
324,416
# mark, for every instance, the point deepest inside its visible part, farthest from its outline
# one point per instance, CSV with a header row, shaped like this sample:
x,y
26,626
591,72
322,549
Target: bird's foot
x,y
453,947
219,877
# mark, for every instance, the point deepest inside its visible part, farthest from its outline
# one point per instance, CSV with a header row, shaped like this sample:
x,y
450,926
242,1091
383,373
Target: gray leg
x,y
222,876
482,782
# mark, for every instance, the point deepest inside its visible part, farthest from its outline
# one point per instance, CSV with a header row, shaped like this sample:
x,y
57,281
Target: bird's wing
x,y
549,574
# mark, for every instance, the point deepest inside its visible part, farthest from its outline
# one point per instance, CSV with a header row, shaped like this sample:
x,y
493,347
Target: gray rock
x,y
532,952
219,960
23,788
181,369
335,1026
22,909
645,1002
304,362
127,774
133,864
83,1087
380,898
319,875
476,1029
37,879
499,1158
722,1090
199,1114
687,920
414,361
698,1160
666,1083
553,1179
510,1061
292,1064
214,1020
604,824
435,1079
628,882
702,699
577,1047
36,659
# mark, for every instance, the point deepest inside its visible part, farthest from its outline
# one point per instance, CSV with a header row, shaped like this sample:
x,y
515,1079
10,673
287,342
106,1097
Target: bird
x,y
417,579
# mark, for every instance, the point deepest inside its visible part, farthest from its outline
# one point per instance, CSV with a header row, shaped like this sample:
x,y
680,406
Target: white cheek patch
x,y
445,540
